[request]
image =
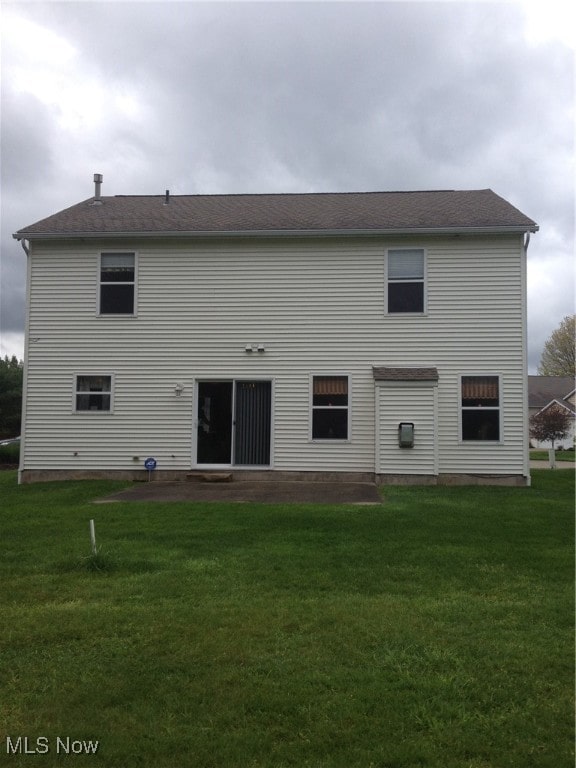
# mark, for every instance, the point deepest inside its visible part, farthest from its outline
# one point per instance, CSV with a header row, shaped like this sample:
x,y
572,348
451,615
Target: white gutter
x,y
26,248
525,408
281,233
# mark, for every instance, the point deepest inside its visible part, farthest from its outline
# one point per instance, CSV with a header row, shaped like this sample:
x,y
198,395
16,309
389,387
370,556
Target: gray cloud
x,y
246,97
26,151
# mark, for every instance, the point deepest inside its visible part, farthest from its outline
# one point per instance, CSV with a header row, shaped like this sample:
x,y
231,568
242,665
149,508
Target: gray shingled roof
x,y
318,212
404,374
544,389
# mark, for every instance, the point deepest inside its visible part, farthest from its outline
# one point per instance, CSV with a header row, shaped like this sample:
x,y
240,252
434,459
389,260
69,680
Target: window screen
x,y
93,393
117,283
406,280
480,408
330,408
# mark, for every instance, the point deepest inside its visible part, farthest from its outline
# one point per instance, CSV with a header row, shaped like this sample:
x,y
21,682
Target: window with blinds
x,y
480,408
117,283
330,407
405,280
93,393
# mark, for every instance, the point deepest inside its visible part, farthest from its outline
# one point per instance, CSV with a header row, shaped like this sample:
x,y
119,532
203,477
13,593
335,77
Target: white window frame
x,y
312,408
424,281
497,408
76,392
99,284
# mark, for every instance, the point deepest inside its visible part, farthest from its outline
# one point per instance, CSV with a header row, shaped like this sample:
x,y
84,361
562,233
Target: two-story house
x,y
359,335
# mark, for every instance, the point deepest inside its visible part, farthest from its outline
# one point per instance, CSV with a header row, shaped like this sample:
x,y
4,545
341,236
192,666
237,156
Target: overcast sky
x,y
291,97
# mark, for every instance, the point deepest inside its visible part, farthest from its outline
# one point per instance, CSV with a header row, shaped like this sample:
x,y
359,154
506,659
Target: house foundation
x,y
139,475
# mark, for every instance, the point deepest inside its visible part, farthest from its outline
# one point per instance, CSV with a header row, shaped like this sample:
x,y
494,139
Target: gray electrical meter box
x,y
406,434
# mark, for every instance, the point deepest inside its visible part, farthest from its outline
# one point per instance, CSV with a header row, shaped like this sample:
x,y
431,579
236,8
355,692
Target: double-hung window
x,y
405,280
480,408
93,393
117,284
330,408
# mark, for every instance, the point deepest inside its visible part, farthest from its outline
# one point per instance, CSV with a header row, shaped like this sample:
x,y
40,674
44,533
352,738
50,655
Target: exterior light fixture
x,y
178,389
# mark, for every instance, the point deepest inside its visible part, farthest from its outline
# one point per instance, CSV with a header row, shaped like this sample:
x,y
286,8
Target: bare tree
x,y
558,357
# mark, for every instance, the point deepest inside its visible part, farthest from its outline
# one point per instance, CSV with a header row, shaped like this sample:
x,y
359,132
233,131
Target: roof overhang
x,y
558,404
411,374
273,233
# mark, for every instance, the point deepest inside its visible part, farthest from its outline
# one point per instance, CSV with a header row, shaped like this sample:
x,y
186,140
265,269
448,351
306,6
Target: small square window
x,y
405,280
93,393
117,283
330,408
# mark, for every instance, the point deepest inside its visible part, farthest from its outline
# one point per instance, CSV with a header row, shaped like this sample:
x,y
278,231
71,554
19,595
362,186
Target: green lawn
x,y
434,630
560,455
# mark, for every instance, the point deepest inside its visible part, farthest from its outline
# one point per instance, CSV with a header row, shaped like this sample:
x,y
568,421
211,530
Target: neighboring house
x,y
352,335
552,392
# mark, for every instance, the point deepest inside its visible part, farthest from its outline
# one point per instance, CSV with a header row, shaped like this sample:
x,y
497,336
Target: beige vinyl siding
x,y
414,402
317,306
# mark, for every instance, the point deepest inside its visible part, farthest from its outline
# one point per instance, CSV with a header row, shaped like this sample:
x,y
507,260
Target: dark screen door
x,y
215,422
252,422
234,422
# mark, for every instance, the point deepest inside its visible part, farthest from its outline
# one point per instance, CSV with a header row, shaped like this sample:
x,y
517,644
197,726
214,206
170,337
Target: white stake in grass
x,y
93,537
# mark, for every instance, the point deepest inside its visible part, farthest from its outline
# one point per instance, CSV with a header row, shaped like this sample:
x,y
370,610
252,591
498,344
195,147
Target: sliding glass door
x,y
234,422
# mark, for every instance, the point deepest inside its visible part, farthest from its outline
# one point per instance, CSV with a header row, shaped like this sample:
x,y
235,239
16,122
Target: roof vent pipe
x,y
97,185
167,198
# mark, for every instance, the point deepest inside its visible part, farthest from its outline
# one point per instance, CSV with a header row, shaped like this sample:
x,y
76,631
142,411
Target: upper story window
x,y
117,283
330,412
405,280
480,408
93,393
